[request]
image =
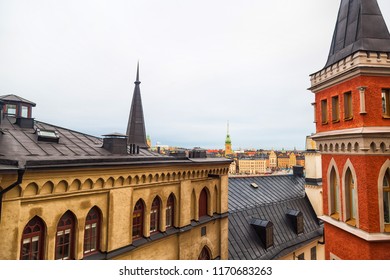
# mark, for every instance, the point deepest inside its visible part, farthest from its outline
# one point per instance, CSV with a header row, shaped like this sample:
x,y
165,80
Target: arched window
x,y
350,198
386,199
92,232
334,195
33,239
155,215
65,237
170,211
204,254
203,203
138,219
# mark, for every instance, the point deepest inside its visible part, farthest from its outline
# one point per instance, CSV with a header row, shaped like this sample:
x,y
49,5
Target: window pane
x,y
335,108
24,111
386,199
348,114
324,111
169,216
386,102
11,110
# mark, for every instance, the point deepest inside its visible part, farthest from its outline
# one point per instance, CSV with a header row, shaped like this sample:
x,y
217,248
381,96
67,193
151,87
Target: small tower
x,y
352,116
228,143
136,126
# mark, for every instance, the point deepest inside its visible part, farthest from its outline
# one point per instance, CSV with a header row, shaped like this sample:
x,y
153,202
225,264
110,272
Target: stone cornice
x,y
350,132
360,63
370,237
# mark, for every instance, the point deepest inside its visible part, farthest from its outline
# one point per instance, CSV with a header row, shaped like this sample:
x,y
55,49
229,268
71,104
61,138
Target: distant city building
x,y
254,165
273,160
283,160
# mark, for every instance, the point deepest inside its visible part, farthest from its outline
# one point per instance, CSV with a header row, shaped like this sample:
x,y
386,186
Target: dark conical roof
x,y
136,126
360,27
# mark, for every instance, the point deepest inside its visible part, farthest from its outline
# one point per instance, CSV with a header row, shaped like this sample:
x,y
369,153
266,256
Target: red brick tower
x,y
352,110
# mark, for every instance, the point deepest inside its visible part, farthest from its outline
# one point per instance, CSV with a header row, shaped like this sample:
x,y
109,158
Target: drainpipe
x,y
10,187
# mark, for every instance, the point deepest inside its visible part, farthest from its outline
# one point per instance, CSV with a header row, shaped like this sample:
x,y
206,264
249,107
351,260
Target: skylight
x,y
47,135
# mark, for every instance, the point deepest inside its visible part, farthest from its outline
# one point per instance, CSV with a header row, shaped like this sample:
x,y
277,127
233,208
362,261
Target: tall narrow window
x,y
313,253
65,237
32,240
170,211
155,215
386,200
92,232
386,102
324,111
348,112
335,109
350,198
334,195
24,113
203,203
138,219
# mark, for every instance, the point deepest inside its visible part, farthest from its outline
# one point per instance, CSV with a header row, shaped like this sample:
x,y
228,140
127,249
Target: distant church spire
x,y
136,126
228,143
360,27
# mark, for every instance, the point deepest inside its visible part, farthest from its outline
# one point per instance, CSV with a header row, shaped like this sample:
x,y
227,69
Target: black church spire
x,y
360,27
136,126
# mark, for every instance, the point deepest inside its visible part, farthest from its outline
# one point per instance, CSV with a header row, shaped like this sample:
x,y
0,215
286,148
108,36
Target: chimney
x,y
115,143
298,170
198,153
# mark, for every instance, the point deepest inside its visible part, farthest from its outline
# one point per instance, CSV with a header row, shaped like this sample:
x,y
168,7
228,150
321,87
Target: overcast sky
x,y
202,63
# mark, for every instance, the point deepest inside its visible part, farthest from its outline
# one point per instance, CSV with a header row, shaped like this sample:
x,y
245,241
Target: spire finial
x,y
137,78
228,127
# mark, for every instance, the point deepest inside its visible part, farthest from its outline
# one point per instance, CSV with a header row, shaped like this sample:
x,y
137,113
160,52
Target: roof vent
x,y
115,143
254,185
265,230
47,135
296,219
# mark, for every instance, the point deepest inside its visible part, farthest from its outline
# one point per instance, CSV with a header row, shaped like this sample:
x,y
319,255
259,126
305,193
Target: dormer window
x,y
296,219
265,230
47,135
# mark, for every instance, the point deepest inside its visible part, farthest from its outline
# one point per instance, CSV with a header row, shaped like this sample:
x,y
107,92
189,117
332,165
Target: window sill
x,y
335,121
348,119
385,117
324,123
351,222
335,216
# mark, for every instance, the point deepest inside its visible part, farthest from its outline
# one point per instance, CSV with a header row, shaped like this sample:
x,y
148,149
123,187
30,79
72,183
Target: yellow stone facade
x,y
49,193
252,166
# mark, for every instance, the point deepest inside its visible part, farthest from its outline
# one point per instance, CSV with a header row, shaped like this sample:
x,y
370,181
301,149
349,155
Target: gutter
x,y
10,187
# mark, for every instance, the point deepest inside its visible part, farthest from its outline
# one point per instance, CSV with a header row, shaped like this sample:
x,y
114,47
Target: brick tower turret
x,y
352,109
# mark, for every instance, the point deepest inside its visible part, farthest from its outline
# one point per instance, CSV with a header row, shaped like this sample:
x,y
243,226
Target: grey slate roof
x,y
360,27
20,146
272,199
